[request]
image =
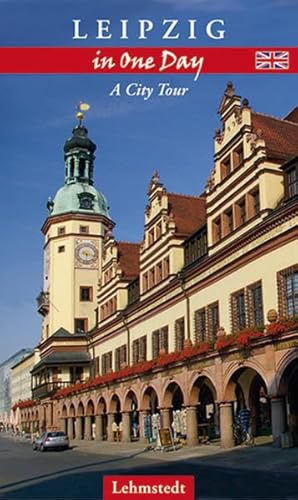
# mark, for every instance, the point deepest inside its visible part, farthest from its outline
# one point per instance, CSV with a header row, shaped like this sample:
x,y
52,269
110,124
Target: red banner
x,y
148,487
195,60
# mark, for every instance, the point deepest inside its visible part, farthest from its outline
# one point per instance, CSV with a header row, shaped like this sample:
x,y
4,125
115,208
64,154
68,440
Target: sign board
x,y
165,437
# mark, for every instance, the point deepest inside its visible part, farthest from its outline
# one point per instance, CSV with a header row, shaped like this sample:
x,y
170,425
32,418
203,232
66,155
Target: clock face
x,y
86,253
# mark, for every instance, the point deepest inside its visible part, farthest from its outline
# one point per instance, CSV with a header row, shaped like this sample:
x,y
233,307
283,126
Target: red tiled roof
x,y
292,116
129,259
189,212
281,136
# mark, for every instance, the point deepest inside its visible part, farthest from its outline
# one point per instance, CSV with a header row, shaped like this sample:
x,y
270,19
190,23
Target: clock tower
x,y
74,230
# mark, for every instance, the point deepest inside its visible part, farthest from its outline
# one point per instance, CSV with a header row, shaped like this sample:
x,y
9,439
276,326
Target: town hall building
x,y
194,322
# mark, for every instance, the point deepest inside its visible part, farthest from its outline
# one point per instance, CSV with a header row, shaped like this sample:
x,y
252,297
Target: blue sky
x,y
134,137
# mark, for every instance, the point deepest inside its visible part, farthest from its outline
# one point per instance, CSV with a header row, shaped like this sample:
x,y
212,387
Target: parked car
x,y
52,440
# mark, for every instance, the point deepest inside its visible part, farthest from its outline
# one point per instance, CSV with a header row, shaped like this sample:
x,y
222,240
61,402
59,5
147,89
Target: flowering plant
x,y
224,342
24,404
282,326
246,336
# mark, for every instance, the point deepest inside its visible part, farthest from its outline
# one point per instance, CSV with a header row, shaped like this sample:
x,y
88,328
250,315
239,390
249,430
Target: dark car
x,y
53,440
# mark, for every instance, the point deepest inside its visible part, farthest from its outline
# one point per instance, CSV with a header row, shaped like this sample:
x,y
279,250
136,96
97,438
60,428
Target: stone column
x,y
165,417
278,419
126,433
142,414
109,428
64,425
226,425
79,428
98,428
191,426
70,428
88,428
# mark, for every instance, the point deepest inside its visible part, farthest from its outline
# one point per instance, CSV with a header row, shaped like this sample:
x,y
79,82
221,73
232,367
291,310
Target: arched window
x,y
82,168
72,165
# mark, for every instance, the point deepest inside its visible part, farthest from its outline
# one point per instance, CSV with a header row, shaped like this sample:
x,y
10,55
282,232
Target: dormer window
x,y
86,201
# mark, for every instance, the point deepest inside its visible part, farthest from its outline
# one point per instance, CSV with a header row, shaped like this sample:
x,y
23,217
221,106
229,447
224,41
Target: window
x,y
166,267
213,320
288,292
84,229
292,181
216,230
139,350
195,247
155,344
145,282
82,168
200,325
108,308
97,367
61,249
256,201
225,168
106,362
120,356
86,294
160,340
253,203
151,277
158,230
81,325
179,334
238,311
133,291
158,272
255,303
72,166
228,221
238,157
76,373
151,237
240,212
61,230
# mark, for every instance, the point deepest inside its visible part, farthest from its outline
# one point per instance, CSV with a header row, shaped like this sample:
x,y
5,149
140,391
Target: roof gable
x,y
280,136
189,212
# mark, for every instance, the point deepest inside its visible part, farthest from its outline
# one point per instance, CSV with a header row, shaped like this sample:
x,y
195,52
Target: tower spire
x,y
82,106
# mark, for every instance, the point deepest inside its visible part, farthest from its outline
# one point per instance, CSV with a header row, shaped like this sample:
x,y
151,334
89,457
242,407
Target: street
x,y
75,474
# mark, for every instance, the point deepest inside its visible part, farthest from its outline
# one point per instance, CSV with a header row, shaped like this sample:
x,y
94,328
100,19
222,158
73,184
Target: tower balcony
x,y
43,303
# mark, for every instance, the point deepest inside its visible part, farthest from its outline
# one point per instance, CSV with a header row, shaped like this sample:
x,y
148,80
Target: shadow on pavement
x,y
211,482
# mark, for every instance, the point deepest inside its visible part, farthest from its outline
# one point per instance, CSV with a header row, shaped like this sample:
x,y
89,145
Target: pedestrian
x,y
120,430
244,418
115,431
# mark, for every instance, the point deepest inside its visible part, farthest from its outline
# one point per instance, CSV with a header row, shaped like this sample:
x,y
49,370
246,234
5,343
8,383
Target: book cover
x,y
149,204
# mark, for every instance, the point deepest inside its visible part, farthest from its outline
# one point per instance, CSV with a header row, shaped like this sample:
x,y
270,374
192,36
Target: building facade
x,y
195,322
6,384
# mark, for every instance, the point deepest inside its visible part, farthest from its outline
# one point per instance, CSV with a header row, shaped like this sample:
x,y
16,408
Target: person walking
x,y
244,418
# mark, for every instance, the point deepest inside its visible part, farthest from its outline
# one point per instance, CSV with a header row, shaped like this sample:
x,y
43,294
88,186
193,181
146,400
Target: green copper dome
x,y
81,198
78,195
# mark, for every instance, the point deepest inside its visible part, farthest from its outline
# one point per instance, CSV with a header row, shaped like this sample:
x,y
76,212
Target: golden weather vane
x,y
81,109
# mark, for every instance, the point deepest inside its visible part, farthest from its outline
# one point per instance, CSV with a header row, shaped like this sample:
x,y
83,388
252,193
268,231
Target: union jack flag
x,y
272,59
